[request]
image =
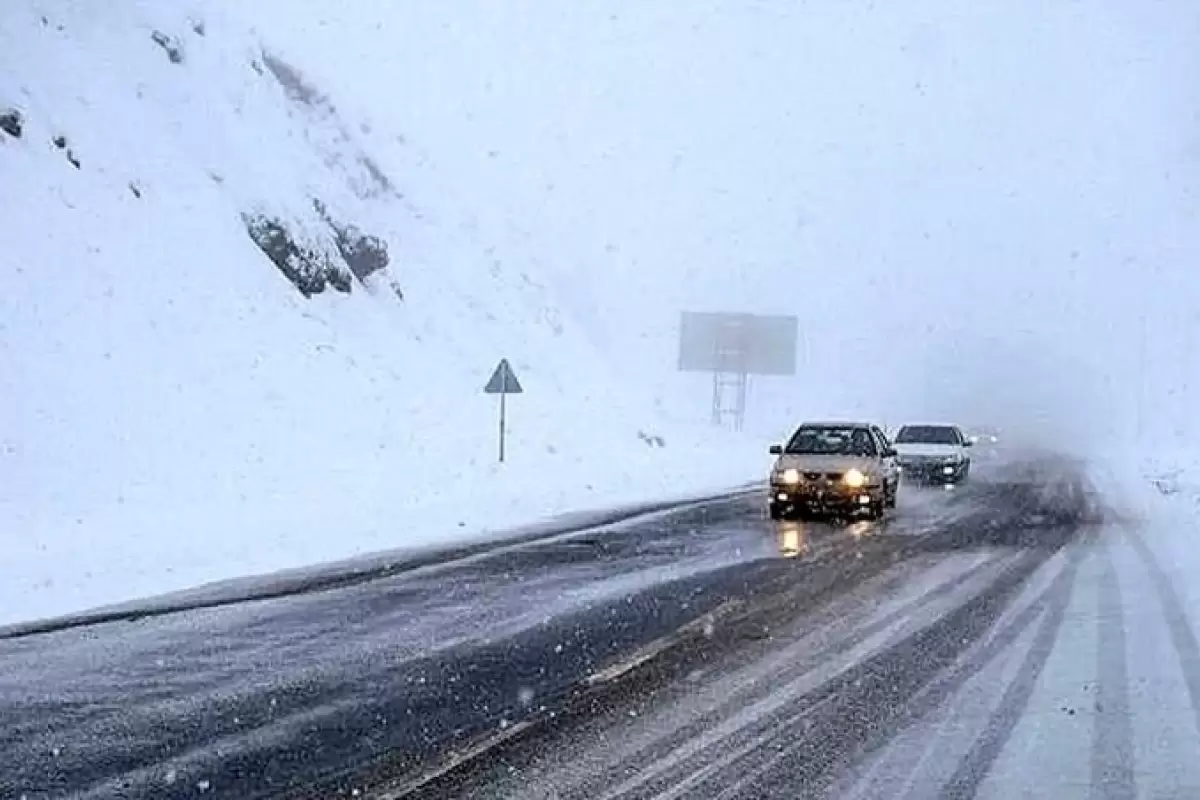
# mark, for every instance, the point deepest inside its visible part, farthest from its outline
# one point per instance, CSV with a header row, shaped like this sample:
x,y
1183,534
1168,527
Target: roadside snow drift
x,y
243,330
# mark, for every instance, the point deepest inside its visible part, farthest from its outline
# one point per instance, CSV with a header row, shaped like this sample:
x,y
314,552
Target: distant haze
x,y
972,206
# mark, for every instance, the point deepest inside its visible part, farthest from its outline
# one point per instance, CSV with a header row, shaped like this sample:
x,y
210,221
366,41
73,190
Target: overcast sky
x,y
973,207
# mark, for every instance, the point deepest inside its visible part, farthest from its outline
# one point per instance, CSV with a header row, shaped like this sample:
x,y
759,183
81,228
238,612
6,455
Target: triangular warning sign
x,y
503,380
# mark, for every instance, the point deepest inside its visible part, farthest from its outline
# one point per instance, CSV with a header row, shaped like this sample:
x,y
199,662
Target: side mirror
x,y
776,449
969,443
891,452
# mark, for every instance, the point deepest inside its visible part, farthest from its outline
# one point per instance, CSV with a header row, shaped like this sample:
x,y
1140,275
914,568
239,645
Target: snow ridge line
x,y
978,761
710,731
826,715
1112,768
355,572
1006,630
1187,647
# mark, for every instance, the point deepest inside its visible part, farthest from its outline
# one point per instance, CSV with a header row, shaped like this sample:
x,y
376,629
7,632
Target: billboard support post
x,y
732,347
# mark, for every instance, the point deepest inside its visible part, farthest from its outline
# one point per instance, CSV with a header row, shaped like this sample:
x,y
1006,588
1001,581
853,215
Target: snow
x,y
1098,693
990,235
990,246
176,412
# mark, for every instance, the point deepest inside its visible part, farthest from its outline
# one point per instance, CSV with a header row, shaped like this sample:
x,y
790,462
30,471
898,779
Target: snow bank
x,y
176,410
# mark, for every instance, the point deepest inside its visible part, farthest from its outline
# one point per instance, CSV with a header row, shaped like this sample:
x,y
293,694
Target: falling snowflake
x,y
171,777
525,695
204,786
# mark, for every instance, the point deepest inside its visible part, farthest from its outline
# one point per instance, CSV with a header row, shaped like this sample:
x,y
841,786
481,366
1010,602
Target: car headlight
x,y
789,475
854,479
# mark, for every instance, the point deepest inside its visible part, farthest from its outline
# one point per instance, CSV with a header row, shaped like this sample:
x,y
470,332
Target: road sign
x,y
503,382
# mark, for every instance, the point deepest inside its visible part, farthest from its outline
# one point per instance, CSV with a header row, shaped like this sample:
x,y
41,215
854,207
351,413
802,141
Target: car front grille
x,y
829,476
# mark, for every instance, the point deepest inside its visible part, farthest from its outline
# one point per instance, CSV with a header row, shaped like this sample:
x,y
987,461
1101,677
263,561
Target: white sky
x,y
1004,187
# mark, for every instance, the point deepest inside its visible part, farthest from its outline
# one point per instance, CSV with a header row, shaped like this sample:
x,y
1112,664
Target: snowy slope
x,y
977,214
991,214
990,209
176,411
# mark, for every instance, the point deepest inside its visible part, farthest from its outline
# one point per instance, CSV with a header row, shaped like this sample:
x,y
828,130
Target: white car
x,y
933,454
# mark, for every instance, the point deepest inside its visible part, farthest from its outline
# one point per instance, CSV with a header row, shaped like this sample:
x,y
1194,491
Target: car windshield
x,y
841,441
928,434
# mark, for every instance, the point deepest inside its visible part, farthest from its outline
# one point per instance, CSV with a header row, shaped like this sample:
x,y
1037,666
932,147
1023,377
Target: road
x,y
702,652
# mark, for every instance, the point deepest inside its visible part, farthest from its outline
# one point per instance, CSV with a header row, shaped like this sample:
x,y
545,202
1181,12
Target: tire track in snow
x,y
978,761
916,778
1112,736
705,737
1187,648
874,700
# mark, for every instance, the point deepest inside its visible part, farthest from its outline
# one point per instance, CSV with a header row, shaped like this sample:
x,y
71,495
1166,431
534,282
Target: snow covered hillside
x,y
989,208
244,327
260,257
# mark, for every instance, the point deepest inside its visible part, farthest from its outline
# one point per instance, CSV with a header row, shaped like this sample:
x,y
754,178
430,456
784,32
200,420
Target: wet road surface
x,y
703,652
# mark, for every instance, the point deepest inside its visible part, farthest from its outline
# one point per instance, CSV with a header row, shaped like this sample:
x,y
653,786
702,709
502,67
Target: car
x,y
834,468
934,454
986,441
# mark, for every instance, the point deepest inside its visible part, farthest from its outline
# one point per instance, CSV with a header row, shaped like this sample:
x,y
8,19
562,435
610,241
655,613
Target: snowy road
x,y
970,668
973,644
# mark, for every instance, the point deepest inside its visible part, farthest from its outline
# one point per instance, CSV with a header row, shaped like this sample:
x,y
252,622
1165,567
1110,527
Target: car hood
x,y
922,449
815,463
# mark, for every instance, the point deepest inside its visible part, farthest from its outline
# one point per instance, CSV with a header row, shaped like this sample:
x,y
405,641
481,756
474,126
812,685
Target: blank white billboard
x,y
753,344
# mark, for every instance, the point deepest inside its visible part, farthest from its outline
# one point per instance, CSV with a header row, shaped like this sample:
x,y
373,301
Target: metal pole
x,y
743,388
716,397
502,414
1142,353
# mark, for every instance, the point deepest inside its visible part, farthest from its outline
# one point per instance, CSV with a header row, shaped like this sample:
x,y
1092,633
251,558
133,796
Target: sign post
x,y
503,382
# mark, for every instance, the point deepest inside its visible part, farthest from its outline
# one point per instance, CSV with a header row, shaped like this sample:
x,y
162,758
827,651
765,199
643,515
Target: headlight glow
x,y
789,475
854,479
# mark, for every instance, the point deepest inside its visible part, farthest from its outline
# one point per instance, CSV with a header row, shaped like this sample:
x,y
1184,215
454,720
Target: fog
x,y
983,211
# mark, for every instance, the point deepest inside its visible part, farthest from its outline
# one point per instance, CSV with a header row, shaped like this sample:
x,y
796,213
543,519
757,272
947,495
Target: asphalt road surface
x,y
704,652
